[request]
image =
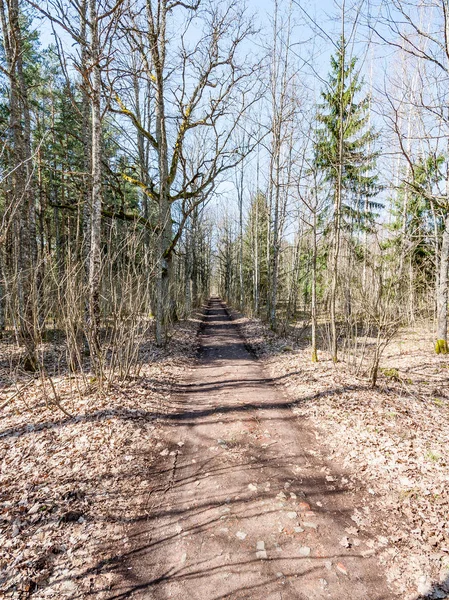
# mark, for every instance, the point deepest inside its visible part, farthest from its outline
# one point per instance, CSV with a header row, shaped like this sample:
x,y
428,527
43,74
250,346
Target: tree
x,y
198,109
255,264
426,43
21,210
344,152
283,104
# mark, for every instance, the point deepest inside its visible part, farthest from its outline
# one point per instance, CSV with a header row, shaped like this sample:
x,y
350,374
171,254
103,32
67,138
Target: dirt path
x,y
242,507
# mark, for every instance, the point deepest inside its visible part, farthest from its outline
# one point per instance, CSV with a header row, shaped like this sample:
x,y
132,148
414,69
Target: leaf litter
x,y
394,439
69,487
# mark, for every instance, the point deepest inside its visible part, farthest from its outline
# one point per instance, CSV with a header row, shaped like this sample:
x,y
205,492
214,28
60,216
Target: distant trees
x,y
19,263
117,139
425,44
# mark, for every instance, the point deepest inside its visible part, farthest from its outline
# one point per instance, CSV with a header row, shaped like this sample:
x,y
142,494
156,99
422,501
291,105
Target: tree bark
x,y
94,281
441,346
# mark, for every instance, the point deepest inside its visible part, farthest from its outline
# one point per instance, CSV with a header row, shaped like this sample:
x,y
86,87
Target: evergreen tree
x,y
344,119
343,151
255,258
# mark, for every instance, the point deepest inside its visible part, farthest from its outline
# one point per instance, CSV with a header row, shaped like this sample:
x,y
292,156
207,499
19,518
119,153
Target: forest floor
x,y
223,476
392,440
69,487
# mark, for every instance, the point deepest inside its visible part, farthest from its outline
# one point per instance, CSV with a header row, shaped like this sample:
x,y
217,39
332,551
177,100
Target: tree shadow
x,y
142,567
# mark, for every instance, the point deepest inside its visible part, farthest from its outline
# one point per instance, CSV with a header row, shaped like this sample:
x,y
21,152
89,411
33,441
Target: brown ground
x,y
162,485
241,505
394,439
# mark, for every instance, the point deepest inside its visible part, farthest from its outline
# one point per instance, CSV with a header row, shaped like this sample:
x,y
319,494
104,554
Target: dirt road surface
x,y
242,507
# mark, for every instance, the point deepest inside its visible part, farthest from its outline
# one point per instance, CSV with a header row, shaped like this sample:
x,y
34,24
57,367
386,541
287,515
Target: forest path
x,y
241,506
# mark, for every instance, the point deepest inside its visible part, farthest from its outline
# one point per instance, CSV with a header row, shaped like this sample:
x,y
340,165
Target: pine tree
x,y
344,152
343,115
255,242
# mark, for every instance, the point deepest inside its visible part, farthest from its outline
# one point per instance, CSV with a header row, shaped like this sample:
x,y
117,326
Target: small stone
x,y
292,515
298,529
279,574
180,444
341,569
424,586
252,487
183,557
261,554
310,525
304,551
241,535
345,542
260,545
328,565
68,586
323,582
164,452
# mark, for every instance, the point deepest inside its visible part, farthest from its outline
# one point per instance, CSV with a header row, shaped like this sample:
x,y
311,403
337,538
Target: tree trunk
x,y
94,282
23,222
314,311
240,199
441,346
337,208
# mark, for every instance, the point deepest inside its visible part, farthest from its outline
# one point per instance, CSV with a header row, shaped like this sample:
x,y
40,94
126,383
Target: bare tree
x,y
199,104
420,29
21,210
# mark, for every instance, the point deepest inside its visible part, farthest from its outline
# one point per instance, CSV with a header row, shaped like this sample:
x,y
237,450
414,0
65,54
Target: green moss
x,y
433,456
391,374
314,356
441,347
